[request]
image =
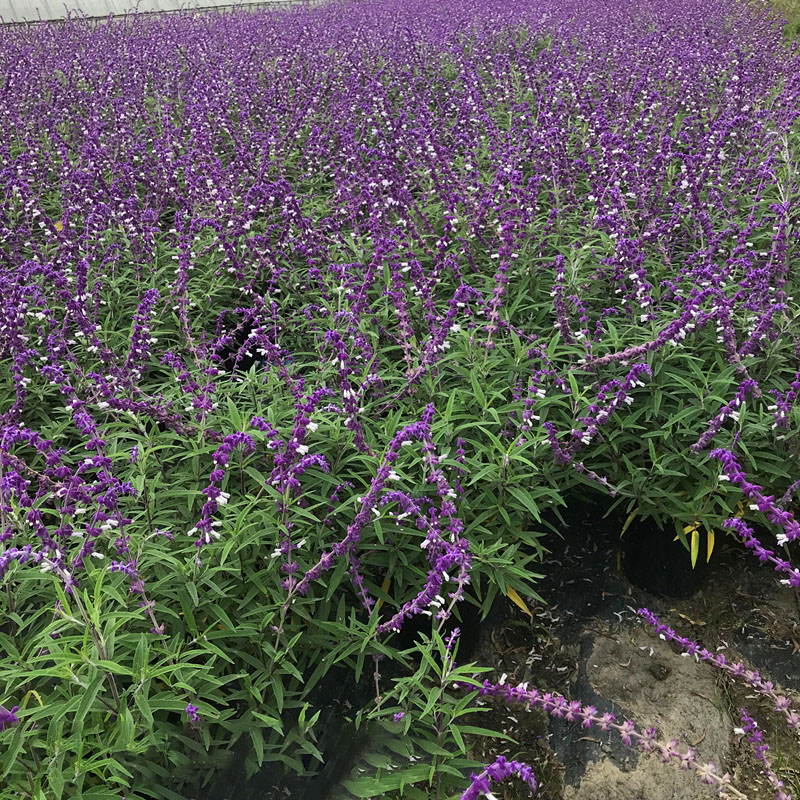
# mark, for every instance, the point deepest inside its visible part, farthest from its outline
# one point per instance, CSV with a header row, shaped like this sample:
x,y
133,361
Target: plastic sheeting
x,y
16,11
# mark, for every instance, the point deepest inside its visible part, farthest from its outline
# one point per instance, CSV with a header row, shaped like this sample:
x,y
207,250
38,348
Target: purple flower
x,y
191,712
7,717
496,772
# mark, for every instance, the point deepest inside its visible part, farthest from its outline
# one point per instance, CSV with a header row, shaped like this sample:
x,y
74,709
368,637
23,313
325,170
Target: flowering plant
x,y
309,316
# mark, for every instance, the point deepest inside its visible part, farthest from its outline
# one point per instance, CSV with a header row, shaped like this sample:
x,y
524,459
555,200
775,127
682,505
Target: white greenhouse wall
x,y
16,11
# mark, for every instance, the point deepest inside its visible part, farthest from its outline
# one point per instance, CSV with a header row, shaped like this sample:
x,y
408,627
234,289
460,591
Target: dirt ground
x,y
588,644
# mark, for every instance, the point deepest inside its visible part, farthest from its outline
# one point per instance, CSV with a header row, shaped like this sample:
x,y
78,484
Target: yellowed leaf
x,y
628,521
387,582
710,545
31,693
687,530
517,600
690,528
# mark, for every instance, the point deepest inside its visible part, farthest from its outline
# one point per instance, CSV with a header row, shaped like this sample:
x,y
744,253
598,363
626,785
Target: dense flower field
x,y
312,320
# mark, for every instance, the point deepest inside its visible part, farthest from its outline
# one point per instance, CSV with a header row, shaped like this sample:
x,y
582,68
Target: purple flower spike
x,y
558,706
752,678
496,772
756,738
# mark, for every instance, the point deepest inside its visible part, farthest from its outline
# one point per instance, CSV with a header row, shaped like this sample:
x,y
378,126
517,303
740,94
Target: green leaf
x,y
257,738
276,685
125,729
573,384
140,656
526,498
234,416
435,692
476,388
140,701
459,739
473,729
114,668
10,754
87,698
270,722
55,777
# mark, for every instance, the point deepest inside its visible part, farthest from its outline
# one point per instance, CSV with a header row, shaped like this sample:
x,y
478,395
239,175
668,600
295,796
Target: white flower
x,y
312,426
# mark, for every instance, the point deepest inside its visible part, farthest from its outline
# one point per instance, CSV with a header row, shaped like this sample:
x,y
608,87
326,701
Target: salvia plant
x,y
312,319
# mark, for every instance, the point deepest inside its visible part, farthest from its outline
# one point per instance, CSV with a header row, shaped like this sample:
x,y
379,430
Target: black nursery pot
x,y
652,560
470,626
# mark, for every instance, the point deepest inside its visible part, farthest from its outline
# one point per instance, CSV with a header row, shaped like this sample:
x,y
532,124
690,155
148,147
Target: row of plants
x,y
312,322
